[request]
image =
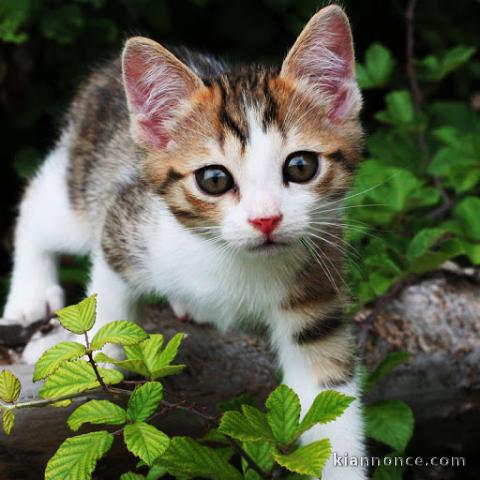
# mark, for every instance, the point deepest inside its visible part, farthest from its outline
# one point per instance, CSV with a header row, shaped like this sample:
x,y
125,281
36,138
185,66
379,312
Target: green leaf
x,y
76,457
389,422
258,421
9,387
144,401
326,407
307,460
236,403
76,376
261,453
156,472
55,356
389,472
185,456
283,414
8,420
145,441
391,361
400,110
237,425
120,332
433,68
468,214
377,69
79,318
168,370
97,412
136,366
170,351
13,15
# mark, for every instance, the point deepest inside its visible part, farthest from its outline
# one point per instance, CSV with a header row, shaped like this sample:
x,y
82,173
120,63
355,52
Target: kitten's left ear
x,y
323,59
156,83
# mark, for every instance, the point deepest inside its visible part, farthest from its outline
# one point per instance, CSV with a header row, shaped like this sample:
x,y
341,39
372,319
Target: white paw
x,y
41,342
179,310
29,305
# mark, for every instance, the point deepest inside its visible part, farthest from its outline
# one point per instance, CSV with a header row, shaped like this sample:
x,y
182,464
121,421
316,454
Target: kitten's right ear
x,y
156,82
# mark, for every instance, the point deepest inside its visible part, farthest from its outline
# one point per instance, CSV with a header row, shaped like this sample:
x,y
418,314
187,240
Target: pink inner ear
x,y
325,59
154,90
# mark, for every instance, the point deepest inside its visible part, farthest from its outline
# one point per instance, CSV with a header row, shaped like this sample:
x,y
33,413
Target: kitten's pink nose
x,y
266,225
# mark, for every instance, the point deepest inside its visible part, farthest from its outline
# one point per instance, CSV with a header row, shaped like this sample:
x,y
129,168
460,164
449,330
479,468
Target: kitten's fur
x,y
120,186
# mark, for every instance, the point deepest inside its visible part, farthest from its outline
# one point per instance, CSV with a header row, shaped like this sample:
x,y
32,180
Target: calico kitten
x,y
217,186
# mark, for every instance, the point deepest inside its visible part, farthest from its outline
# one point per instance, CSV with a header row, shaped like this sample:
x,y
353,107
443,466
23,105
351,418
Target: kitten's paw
x,y
26,306
179,310
43,341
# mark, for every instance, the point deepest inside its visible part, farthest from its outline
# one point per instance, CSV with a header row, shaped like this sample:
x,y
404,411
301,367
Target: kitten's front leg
x,y
316,352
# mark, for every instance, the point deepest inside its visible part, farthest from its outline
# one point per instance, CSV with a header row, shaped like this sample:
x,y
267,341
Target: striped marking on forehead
x,y
241,90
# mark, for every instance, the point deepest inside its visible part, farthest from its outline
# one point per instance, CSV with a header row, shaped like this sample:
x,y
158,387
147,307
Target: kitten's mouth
x,y
268,246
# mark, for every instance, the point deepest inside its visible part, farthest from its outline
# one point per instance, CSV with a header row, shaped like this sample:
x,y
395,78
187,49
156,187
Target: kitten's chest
x,y
213,283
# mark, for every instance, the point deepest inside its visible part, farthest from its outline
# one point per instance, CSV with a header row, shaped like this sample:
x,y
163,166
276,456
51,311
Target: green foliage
x,y
144,401
390,422
389,363
307,460
75,377
283,414
79,318
9,387
97,412
145,441
120,332
266,441
51,360
416,195
77,457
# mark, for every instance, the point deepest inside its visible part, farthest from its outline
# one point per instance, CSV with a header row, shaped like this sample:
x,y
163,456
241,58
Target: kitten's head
x,y
251,155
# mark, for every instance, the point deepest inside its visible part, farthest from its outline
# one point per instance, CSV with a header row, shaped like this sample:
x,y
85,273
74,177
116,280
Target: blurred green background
x,y
48,46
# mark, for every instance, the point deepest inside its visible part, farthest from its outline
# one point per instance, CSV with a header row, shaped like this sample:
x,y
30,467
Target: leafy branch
x,y
266,442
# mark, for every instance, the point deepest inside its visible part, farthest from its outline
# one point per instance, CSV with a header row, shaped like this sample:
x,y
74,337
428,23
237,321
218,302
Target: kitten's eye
x,y
214,179
300,167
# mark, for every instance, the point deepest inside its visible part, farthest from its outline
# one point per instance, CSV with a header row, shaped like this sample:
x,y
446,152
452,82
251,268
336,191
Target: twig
x,y
94,365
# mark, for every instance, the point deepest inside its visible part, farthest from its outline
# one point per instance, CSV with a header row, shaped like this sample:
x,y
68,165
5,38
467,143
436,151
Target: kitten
x,y
217,186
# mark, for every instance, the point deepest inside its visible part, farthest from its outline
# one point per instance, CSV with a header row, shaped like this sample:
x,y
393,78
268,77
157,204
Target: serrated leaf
x,y
261,453
76,376
258,421
389,363
120,332
55,356
235,425
77,457
136,366
326,407
145,441
378,67
170,351
79,318
144,401
97,412
307,460
167,371
9,387
389,422
283,414
185,456
8,420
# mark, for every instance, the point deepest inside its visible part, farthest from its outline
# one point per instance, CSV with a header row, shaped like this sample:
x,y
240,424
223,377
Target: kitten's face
x,y
252,165
249,157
